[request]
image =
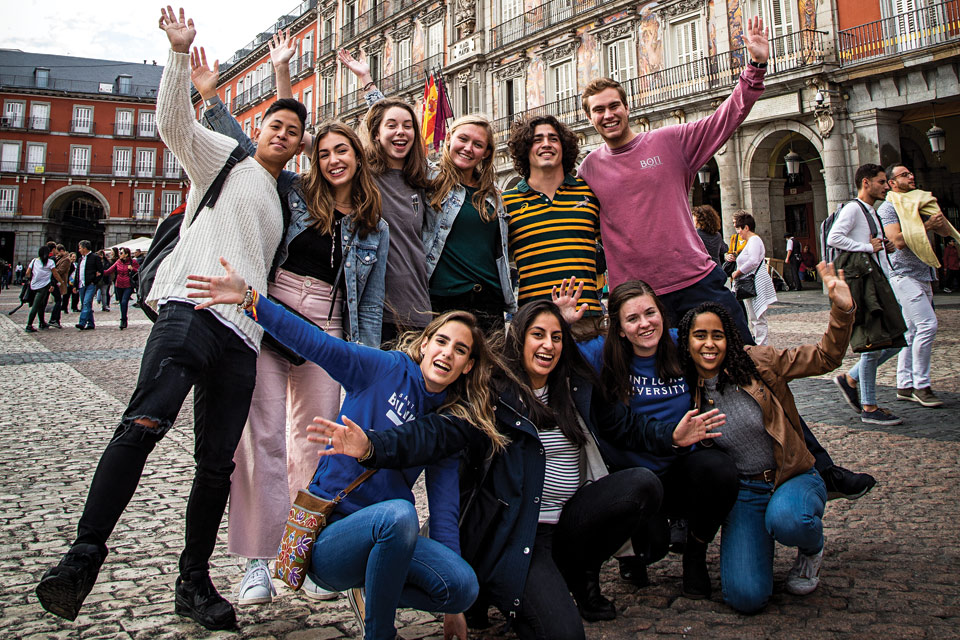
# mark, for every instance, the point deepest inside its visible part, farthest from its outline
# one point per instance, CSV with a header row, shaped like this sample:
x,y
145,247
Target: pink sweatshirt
x,y
643,188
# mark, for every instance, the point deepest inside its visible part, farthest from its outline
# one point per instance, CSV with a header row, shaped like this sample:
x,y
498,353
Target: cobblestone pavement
x,y
890,568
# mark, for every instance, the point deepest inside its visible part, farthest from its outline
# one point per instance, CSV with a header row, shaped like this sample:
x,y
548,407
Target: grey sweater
x,y
744,437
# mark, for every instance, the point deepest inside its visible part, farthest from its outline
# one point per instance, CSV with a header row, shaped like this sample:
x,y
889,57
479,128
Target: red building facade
x,y
80,157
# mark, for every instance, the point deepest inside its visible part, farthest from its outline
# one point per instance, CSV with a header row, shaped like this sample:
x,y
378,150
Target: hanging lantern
x,y
704,175
792,160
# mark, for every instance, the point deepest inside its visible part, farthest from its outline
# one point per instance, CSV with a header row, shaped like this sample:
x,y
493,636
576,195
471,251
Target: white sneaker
x,y
357,605
312,591
804,575
257,587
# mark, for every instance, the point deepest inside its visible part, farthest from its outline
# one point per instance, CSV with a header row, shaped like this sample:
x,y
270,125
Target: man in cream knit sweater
x,y
213,351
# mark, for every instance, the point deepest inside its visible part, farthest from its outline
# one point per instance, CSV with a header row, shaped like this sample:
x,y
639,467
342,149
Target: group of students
x,y
543,456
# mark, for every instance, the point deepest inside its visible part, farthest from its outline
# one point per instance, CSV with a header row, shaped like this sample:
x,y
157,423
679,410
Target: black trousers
x,y
486,304
186,348
594,523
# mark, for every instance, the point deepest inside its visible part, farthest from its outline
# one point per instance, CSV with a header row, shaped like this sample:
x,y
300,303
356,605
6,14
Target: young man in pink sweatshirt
x,y
643,181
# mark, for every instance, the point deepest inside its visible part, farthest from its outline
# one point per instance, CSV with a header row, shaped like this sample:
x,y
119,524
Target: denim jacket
x,y
436,227
364,259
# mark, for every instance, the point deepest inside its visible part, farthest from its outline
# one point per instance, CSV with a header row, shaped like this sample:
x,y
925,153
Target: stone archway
x,y
780,202
76,213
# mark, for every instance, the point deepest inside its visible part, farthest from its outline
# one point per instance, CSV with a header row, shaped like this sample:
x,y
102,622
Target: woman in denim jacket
x,y
330,268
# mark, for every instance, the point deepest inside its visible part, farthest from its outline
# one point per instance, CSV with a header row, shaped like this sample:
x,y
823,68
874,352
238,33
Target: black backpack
x,y
168,234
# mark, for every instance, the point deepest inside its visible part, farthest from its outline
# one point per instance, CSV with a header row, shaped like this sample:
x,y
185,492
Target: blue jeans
x,y
87,292
379,548
865,373
791,515
123,297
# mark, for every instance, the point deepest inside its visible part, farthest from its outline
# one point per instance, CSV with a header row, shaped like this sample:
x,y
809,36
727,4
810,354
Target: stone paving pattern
x,y
891,567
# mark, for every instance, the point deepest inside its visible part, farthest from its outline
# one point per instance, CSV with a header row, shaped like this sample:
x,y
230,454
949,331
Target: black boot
x,y
198,599
696,578
633,569
591,602
64,587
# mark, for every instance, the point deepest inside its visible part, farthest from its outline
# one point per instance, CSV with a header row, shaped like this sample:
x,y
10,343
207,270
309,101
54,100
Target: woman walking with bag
x,y
330,268
781,496
751,276
371,540
124,268
41,272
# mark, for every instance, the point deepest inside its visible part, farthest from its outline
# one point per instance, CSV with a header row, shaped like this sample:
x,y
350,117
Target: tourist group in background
x,y
575,434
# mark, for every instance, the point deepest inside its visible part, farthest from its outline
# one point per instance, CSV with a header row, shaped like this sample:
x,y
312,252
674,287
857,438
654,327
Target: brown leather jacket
x,y
63,268
778,367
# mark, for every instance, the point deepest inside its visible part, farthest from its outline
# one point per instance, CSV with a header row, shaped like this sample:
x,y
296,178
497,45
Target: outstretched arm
x,y
357,68
216,115
282,50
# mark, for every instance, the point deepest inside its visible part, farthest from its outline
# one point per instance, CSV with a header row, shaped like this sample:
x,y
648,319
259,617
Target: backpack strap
x,y
213,191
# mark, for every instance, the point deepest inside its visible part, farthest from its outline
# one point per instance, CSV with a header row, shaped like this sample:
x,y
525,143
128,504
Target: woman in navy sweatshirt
x,y
372,540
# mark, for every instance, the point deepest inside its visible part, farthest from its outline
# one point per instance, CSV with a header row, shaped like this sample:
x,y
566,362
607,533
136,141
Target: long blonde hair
x,y
450,176
470,396
364,195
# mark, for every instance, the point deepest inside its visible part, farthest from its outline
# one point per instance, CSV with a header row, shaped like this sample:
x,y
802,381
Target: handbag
x,y
746,286
308,516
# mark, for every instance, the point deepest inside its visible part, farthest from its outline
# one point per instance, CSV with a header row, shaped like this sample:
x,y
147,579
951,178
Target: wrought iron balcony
x,y
899,34
83,127
39,123
301,65
566,110
327,111
539,18
288,18
366,21
410,76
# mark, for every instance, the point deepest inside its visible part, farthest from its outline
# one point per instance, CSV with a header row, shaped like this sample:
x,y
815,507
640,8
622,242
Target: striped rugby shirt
x,y
553,240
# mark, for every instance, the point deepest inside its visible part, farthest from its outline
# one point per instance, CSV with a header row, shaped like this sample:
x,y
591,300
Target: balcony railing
x,y
410,76
328,44
537,19
11,121
147,130
899,34
78,86
288,18
787,53
302,64
566,110
327,111
39,123
123,129
84,127
254,94
365,21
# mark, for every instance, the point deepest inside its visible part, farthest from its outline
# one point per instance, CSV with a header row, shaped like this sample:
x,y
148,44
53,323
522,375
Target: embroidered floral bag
x,y
308,516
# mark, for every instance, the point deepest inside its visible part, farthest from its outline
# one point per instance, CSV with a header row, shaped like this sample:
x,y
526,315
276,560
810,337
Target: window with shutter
x,y
8,199
146,127
171,167
10,158
145,163
79,161
686,41
13,111
563,80
39,116
121,162
82,119
620,60
171,200
36,158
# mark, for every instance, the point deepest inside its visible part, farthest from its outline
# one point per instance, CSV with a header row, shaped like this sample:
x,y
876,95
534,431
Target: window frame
x,y
138,213
39,103
127,172
13,198
75,127
16,123
150,152
74,148
30,166
4,164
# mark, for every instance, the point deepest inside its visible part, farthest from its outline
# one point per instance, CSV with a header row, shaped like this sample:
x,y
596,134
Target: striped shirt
x,y
555,239
561,478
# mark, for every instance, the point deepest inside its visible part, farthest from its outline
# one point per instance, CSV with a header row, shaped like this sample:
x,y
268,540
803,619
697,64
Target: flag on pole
x,y
428,121
443,111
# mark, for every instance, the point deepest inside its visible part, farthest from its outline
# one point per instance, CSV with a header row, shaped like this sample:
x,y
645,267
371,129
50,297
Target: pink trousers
x,y
274,459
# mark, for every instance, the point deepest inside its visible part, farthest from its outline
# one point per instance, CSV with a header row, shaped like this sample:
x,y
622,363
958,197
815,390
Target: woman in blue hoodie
x,y
372,540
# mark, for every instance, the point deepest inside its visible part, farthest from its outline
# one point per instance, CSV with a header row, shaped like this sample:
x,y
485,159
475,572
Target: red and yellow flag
x,y
428,122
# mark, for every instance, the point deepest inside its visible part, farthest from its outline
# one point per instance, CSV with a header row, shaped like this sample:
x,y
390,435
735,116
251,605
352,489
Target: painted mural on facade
x,y
416,54
588,59
711,29
536,82
388,65
808,14
650,43
735,22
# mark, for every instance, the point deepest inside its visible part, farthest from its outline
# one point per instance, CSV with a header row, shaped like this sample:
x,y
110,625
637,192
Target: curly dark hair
x,y
618,351
707,219
521,141
738,367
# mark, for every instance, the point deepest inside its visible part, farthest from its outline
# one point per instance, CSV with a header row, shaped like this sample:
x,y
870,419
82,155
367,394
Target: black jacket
x,y
500,503
879,323
92,269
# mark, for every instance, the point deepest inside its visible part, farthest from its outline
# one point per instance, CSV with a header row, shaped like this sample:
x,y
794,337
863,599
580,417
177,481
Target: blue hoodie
x,y
384,389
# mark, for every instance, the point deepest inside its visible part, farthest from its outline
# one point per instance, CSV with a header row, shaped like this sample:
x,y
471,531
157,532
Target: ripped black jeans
x,y
186,348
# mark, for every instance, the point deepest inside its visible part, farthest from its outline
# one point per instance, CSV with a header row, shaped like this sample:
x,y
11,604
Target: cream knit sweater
x,y
246,224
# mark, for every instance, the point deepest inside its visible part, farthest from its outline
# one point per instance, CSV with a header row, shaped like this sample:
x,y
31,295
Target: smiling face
x,y
396,135
708,344
280,138
542,346
446,355
610,117
546,152
642,325
336,160
470,144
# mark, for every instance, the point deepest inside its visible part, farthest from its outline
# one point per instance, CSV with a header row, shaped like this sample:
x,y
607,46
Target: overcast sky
x,y
128,30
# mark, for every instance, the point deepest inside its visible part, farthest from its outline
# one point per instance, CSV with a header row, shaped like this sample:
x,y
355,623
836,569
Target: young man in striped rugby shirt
x,y
554,217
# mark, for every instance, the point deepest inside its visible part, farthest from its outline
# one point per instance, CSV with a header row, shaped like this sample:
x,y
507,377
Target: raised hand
x,y
204,78
282,47
357,68
693,428
347,438
756,39
226,289
180,31
837,287
566,298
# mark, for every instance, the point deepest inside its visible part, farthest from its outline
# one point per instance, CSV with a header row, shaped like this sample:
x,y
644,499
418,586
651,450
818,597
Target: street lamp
x,y
936,136
704,175
792,159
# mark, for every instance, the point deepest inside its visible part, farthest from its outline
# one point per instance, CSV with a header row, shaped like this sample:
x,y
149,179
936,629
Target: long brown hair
x,y
450,176
618,351
415,164
364,195
470,396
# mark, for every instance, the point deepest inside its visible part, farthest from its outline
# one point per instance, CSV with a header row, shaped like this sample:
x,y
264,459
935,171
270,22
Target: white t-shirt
x,y
41,274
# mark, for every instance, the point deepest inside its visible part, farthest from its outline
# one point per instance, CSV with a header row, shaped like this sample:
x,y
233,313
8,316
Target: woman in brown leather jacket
x,y
781,495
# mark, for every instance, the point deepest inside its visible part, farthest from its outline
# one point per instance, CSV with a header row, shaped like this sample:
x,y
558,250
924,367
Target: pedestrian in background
x,y
707,221
123,270
791,263
951,266
751,263
41,272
